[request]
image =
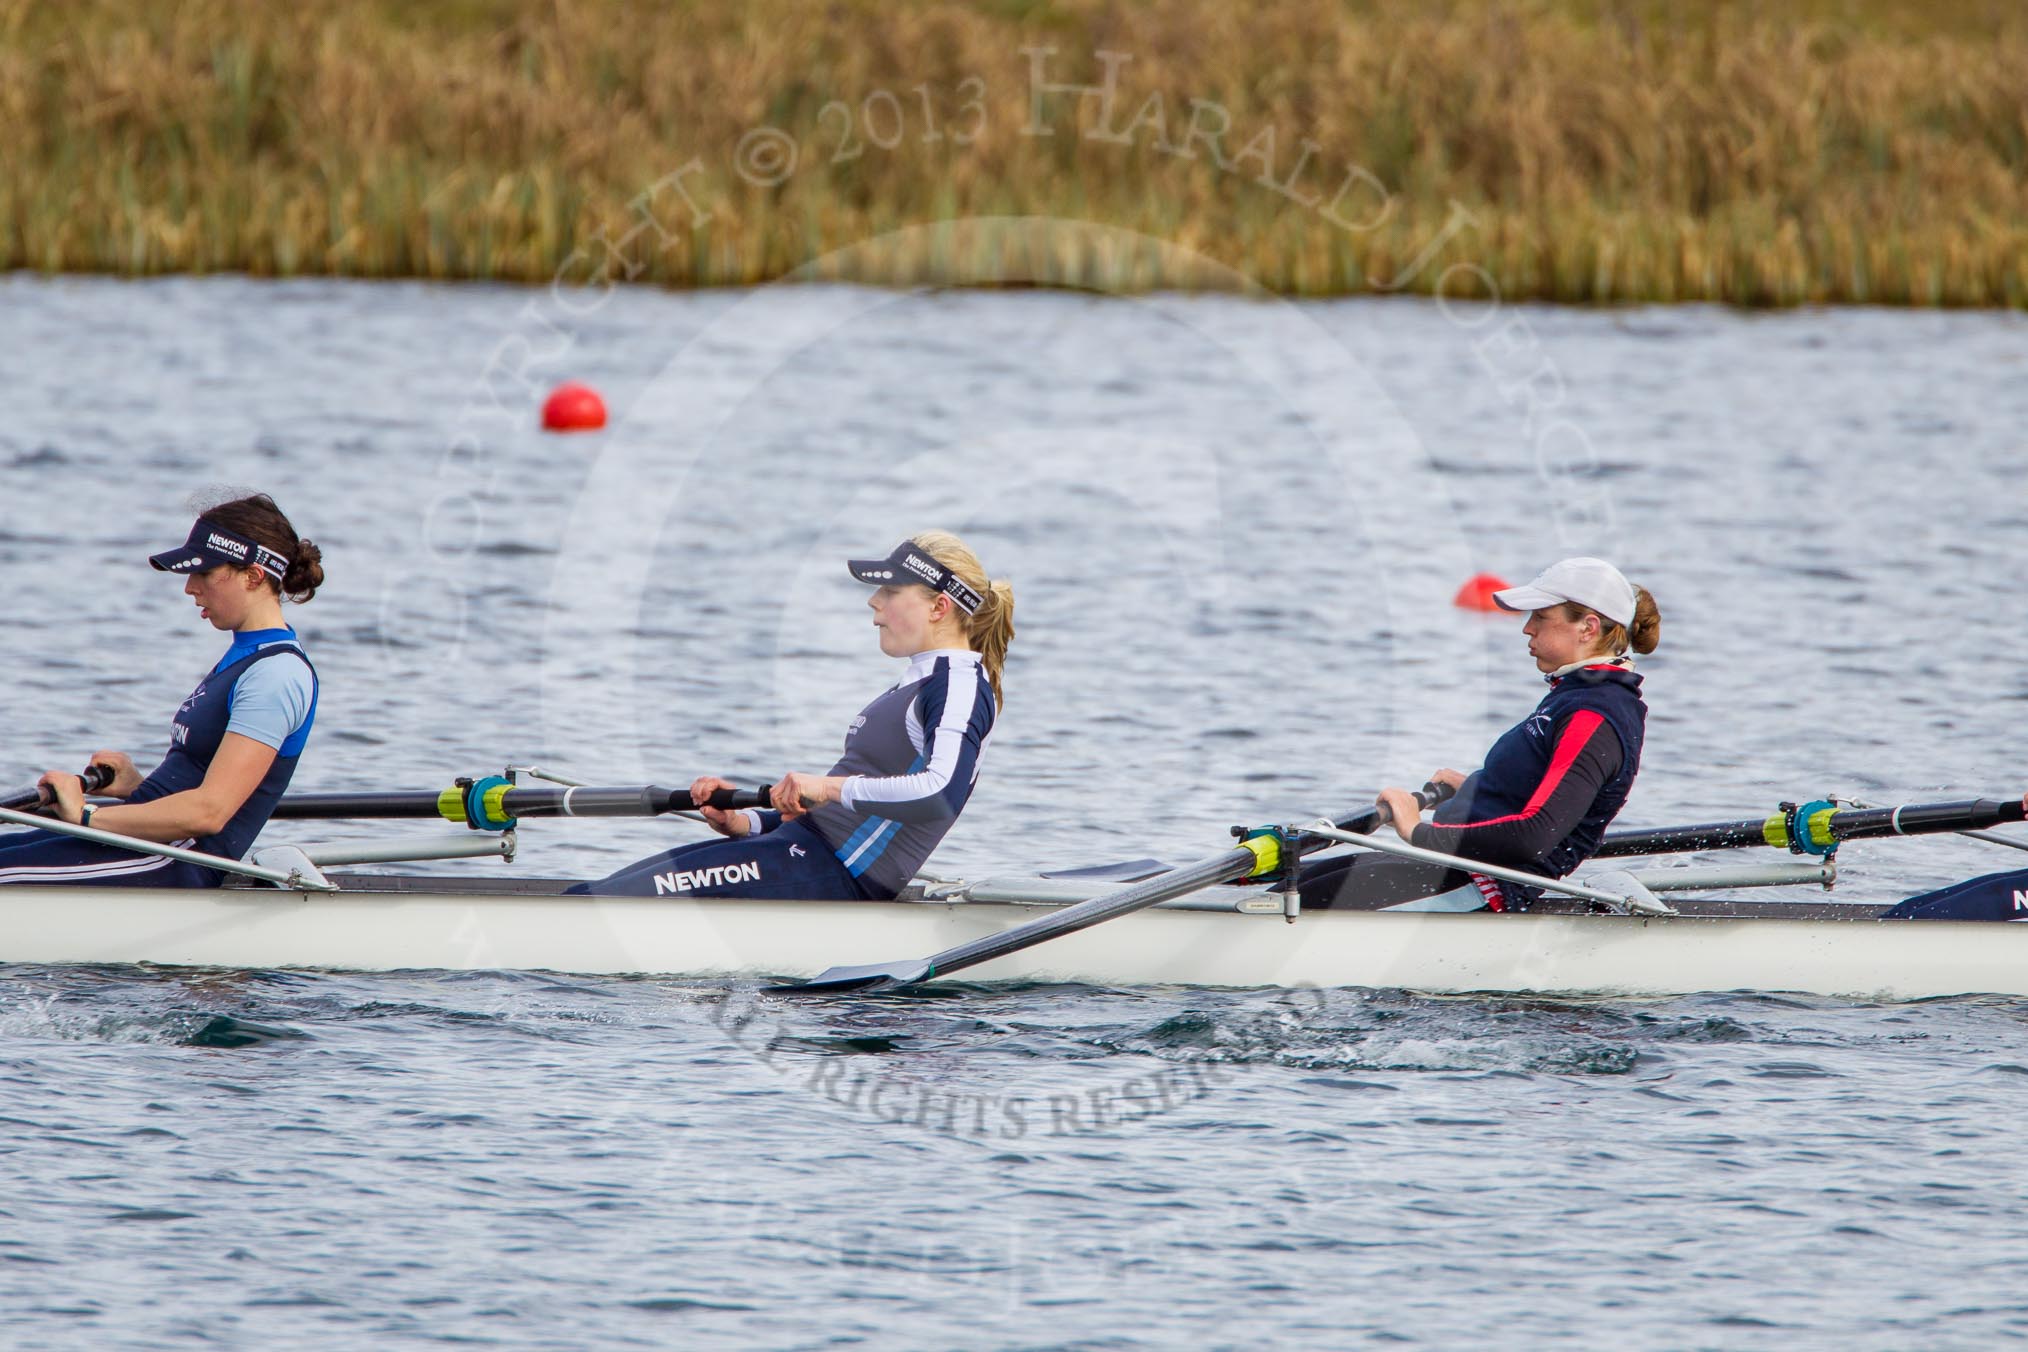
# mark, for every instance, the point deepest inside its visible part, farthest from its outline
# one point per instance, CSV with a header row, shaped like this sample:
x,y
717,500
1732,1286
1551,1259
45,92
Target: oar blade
x,y
874,977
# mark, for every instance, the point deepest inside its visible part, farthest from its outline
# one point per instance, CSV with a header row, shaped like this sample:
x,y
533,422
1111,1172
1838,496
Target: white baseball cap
x,y
1589,582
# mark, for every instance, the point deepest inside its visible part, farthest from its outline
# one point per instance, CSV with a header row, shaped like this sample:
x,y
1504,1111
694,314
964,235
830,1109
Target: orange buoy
x,y
1477,594
572,407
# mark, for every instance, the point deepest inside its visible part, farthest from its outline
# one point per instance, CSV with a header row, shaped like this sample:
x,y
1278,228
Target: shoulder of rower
x,y
282,647
1559,707
958,672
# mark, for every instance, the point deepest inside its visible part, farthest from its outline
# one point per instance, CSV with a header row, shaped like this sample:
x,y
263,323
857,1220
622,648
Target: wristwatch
x,y
84,818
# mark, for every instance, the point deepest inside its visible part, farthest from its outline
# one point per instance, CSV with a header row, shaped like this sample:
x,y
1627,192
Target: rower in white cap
x,y
1551,784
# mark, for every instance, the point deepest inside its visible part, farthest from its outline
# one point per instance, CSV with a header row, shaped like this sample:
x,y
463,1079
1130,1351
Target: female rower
x,y
234,742
1550,785
911,756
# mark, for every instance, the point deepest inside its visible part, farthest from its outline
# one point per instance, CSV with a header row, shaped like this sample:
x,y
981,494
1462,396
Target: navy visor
x,y
909,563
211,545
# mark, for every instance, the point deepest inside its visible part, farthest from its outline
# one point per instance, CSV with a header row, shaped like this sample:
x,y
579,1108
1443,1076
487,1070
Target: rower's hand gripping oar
x,y
1267,852
94,778
494,804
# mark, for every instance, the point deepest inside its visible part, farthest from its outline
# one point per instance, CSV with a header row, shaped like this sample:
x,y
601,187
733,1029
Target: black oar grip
x,y
733,799
725,800
1371,819
35,797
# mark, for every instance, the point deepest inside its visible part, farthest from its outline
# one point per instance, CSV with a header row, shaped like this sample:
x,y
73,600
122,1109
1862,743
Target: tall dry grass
x,y
1584,150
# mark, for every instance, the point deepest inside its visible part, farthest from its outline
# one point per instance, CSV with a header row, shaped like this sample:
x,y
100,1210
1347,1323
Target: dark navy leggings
x,y
49,859
792,861
1996,896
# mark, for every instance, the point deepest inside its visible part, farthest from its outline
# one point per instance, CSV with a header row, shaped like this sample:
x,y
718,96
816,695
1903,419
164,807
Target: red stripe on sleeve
x,y
1583,724
1576,735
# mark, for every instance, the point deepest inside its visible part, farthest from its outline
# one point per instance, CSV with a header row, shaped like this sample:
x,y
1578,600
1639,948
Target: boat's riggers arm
x,y
299,880
456,845
95,777
1636,900
1815,832
1822,873
506,802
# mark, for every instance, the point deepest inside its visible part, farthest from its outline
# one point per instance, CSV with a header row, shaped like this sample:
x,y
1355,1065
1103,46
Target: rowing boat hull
x,y
1538,953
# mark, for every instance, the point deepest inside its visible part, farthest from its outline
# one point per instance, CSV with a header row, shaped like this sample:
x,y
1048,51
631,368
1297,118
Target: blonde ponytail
x,y
990,628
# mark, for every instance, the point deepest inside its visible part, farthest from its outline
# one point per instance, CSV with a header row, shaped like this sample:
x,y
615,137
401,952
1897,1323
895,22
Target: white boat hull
x,y
1543,953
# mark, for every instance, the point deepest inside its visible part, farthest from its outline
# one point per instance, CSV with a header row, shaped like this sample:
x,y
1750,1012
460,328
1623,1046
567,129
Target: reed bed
x,y
1812,151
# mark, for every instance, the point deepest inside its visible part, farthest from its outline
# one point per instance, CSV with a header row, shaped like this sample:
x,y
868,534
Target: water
x,y
1233,530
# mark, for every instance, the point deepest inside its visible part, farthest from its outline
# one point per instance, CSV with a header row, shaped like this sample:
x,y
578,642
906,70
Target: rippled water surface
x,y
1233,529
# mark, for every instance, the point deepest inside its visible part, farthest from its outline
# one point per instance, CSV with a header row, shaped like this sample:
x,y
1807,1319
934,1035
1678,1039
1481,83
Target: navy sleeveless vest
x,y
195,737
1516,764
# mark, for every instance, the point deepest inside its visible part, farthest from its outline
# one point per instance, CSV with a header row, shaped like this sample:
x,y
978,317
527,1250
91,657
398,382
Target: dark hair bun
x,y
306,572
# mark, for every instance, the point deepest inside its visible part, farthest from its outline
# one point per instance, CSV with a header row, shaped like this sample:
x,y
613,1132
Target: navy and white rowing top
x,y
911,758
264,688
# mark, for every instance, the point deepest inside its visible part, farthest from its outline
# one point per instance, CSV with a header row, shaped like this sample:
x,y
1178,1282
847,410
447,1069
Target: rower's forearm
x,y
178,816
1521,841
935,793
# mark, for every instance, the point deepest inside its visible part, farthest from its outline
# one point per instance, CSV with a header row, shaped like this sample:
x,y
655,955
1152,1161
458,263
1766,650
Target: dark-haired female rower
x,y
1550,785
911,756
234,742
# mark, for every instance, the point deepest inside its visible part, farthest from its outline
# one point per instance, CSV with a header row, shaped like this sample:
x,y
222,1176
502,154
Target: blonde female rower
x,y
911,756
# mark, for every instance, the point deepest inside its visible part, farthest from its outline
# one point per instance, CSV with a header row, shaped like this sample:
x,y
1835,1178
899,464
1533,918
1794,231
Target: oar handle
x,y
94,778
729,800
1433,793
1367,820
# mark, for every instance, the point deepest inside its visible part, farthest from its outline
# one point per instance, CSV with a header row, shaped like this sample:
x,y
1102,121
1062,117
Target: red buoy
x,y
572,407
1477,594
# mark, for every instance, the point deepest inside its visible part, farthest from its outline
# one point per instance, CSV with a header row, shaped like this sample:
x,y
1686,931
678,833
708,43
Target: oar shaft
x,y
1682,839
1233,864
1989,837
1227,867
1916,819
22,800
649,800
